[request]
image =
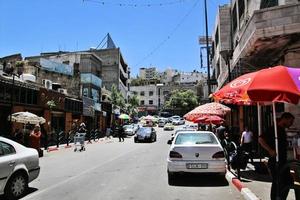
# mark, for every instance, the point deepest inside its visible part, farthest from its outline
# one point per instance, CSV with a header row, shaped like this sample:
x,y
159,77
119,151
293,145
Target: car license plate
x,y
196,165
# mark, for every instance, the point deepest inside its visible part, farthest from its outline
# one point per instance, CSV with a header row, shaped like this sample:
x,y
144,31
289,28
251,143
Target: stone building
x,y
115,70
252,35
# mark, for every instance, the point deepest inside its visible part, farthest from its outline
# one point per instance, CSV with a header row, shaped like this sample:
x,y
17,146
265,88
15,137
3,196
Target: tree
x,y
117,98
133,103
181,101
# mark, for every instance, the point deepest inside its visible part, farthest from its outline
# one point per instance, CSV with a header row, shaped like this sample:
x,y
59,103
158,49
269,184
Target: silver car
x,y
19,165
195,152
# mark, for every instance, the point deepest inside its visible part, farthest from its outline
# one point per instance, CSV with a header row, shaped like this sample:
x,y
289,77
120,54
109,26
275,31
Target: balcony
x,y
267,33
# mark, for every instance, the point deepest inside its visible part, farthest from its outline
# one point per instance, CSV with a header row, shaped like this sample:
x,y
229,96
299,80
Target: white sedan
x,y
19,165
195,152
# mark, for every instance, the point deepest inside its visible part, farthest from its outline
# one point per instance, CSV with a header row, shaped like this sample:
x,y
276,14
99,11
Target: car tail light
x,y
219,154
174,154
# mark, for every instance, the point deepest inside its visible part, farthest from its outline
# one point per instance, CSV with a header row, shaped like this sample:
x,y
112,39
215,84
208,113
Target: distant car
x,y
146,134
161,123
195,152
19,166
129,129
191,126
175,117
169,126
178,121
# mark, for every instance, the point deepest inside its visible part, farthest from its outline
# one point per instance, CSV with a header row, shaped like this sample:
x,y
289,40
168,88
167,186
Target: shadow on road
x,y
29,191
198,180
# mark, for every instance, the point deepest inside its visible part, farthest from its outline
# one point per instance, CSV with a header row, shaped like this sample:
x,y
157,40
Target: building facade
x,y
252,35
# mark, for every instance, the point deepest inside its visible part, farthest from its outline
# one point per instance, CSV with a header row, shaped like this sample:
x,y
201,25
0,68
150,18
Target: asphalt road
x,y
110,170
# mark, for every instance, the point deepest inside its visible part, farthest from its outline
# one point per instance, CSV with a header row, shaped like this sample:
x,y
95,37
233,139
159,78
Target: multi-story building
x,y
115,70
76,75
188,77
251,35
148,73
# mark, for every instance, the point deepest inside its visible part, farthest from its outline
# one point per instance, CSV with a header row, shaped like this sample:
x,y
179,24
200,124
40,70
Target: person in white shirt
x,y
246,142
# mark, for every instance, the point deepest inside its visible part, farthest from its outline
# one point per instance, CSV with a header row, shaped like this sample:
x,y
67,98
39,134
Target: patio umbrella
x,y
214,119
209,119
26,118
207,109
124,116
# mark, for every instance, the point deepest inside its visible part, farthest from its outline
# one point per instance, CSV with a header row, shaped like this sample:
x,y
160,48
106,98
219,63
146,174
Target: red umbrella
x,y
235,92
276,84
209,119
214,120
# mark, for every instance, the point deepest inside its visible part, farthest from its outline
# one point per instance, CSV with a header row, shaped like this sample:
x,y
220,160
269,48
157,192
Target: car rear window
x,y
195,138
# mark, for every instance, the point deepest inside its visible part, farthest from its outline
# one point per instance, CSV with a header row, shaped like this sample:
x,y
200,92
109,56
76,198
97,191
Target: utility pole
x,y
207,49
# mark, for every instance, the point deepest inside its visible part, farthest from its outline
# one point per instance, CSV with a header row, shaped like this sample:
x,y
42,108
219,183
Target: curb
x,y
246,192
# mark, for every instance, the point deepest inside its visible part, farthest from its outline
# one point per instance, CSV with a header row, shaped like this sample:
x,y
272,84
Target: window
x,y
150,93
142,93
142,102
150,102
6,149
268,3
217,37
234,19
241,8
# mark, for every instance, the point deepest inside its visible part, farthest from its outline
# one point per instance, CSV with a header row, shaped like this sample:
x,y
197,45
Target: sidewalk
x,y
258,183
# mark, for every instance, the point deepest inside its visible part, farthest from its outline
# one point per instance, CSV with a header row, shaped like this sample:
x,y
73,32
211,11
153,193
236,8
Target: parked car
x,y
169,126
129,129
19,166
195,152
146,134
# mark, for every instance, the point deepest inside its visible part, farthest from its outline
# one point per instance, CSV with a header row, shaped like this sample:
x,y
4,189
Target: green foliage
x,y
182,100
51,104
133,103
117,98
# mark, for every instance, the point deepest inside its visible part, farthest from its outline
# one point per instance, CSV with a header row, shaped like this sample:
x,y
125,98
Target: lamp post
x,y
207,49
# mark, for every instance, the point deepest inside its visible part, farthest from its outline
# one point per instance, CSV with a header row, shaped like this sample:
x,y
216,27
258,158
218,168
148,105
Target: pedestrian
x,y
35,138
246,142
281,173
121,133
220,131
108,132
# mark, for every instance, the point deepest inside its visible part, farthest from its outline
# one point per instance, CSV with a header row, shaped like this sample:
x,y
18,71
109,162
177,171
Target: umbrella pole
x,y
259,128
277,156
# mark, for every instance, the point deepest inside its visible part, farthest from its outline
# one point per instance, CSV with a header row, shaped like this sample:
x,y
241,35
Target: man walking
x,y
267,141
246,142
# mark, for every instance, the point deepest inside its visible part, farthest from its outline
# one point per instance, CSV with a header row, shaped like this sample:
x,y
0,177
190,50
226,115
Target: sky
x,y
159,33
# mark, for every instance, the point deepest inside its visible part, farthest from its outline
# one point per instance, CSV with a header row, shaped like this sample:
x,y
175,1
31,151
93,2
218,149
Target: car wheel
x,y
135,140
16,187
171,178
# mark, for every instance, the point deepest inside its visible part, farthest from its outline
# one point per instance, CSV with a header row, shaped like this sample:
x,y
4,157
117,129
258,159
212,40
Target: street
x,y
113,170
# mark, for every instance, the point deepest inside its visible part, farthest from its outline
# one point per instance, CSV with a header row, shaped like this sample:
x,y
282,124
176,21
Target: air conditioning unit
x,y
47,84
62,90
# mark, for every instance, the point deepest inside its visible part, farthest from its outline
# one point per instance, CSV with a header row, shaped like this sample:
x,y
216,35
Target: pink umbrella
x,y
207,109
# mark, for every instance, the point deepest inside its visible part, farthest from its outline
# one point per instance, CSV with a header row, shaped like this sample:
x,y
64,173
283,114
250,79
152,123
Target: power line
x,y
121,4
169,36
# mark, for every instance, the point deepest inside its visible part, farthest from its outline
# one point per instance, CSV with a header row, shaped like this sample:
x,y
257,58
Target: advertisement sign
x,y
88,107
